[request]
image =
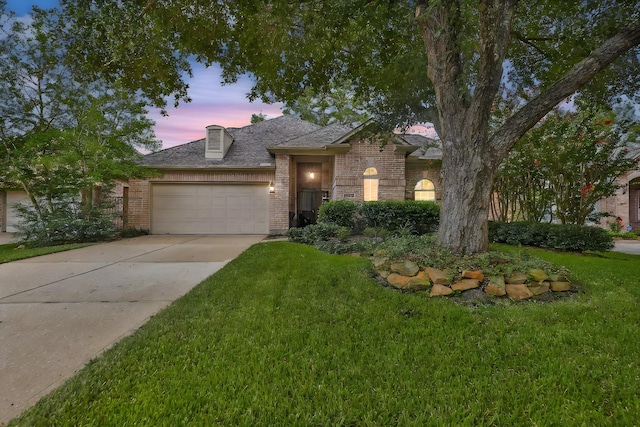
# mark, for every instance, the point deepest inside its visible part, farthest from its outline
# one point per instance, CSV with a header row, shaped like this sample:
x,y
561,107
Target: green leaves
x,y
563,167
63,133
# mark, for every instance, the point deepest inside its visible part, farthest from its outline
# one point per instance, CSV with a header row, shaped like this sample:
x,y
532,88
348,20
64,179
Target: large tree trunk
x,y
467,179
469,163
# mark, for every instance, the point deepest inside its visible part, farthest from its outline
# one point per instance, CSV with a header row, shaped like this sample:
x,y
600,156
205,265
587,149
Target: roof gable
x,y
249,148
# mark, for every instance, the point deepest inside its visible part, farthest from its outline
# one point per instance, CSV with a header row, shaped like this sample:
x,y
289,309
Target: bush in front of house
x,y
401,216
62,223
396,216
315,233
340,212
565,237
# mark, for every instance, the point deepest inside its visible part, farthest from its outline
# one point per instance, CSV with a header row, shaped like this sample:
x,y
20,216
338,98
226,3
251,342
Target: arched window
x,y
425,190
370,185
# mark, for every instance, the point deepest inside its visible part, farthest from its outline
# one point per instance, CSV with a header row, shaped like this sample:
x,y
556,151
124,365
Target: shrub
x,y
566,237
340,212
315,233
396,216
413,216
61,223
133,232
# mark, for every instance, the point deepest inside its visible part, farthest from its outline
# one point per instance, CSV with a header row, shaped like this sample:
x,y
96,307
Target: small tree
x,y
257,118
63,139
563,166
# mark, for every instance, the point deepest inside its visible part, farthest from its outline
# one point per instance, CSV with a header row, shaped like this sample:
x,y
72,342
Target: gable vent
x,y
218,142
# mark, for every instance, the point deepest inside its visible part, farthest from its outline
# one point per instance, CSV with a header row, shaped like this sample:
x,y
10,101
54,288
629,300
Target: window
x,y
370,185
425,190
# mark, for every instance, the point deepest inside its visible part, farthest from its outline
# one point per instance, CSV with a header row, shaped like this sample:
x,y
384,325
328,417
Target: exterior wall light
x,y
272,188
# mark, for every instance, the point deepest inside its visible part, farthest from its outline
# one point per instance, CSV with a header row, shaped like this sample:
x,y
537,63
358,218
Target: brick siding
x,y
349,171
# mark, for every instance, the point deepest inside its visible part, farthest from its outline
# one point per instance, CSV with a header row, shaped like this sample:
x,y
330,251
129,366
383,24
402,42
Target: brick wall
x,y
418,171
349,171
280,204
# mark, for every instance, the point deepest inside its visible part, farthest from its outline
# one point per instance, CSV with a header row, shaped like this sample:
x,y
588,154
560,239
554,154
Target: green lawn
x,y
286,335
14,251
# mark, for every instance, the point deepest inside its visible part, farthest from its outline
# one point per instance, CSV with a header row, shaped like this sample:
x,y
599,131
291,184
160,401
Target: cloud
x,y
212,103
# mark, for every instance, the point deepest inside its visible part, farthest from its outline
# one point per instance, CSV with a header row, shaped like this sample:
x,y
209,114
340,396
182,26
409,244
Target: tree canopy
x,y
410,61
562,167
62,134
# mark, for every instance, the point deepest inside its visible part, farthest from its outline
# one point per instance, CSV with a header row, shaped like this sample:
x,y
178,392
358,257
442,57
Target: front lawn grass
x,y
287,335
13,251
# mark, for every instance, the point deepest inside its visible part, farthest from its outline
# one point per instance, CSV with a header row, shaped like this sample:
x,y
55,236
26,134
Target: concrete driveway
x,y
59,311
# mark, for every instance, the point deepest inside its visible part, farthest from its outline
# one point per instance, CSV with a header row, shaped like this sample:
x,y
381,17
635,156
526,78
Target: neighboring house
x,y
625,203
269,176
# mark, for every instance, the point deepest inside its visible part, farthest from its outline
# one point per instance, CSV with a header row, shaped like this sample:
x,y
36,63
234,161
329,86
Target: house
x,y
269,176
625,202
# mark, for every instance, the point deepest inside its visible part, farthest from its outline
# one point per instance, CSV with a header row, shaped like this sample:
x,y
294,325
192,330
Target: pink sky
x,y
212,104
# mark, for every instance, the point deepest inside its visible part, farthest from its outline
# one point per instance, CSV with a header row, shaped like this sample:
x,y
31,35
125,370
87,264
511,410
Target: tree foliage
x,y
562,167
337,105
409,61
62,135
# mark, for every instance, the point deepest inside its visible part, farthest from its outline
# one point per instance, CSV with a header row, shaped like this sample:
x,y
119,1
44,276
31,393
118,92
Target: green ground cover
x,y
14,251
287,335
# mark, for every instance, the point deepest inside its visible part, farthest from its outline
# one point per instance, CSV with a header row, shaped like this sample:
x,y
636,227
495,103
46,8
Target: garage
x,y
209,209
12,219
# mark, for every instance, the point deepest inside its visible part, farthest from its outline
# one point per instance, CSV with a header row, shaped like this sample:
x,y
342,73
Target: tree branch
x,y
147,8
516,126
529,41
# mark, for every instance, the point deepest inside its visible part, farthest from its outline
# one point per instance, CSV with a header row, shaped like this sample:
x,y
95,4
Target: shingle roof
x,y
251,143
430,149
249,148
318,138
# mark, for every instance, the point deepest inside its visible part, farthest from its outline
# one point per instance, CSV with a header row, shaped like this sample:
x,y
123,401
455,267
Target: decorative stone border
x,y
520,285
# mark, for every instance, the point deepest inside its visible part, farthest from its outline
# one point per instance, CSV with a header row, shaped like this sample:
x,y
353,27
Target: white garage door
x,y
14,197
209,209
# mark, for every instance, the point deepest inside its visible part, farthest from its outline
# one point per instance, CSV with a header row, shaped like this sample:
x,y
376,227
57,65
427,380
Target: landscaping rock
x,y
557,278
537,275
473,274
518,291
496,286
560,286
438,277
539,288
420,281
465,284
398,281
407,268
383,273
516,278
379,261
440,290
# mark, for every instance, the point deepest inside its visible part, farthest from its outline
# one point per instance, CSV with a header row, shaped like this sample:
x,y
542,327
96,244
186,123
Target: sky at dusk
x,y
211,103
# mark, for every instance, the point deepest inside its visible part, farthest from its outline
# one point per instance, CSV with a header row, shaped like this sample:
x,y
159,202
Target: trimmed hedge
x,y
411,216
565,237
340,212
